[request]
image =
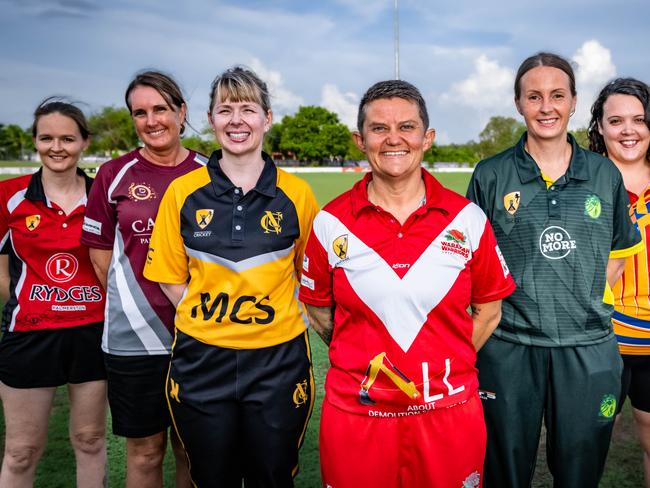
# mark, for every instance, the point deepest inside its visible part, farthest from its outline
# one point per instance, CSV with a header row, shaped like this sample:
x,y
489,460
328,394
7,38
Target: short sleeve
x,y
100,220
491,278
167,260
308,208
317,275
626,240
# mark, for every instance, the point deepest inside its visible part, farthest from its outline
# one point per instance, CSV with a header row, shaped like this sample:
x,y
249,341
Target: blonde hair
x,y
239,84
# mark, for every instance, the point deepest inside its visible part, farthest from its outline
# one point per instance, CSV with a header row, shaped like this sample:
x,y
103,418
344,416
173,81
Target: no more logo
x,y
555,243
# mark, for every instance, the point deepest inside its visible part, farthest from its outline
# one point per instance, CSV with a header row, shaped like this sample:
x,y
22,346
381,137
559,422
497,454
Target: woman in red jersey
x,y
54,305
620,129
139,318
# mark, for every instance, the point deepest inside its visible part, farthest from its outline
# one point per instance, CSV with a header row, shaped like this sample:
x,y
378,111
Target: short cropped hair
x,y
392,89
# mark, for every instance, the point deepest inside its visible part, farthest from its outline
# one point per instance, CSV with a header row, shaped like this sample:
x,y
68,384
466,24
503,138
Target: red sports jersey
x,y
52,282
402,339
122,208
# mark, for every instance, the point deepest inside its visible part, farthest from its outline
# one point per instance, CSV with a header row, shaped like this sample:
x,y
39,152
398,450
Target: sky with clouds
x,y
461,54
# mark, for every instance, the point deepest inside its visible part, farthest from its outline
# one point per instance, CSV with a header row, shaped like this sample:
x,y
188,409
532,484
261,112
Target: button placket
x,y
238,216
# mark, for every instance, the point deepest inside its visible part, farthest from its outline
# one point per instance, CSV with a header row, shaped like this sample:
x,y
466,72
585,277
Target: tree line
x,y
313,135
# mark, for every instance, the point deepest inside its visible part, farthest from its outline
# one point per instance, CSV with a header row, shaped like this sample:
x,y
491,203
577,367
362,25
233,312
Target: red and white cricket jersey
x,y
402,339
52,282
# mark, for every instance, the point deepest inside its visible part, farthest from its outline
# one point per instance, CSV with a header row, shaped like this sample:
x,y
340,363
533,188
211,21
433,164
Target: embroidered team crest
x,y
141,191
511,202
340,246
271,222
204,217
593,206
32,222
300,395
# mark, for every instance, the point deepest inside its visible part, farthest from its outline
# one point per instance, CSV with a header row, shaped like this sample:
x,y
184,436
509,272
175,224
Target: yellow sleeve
x,y
167,259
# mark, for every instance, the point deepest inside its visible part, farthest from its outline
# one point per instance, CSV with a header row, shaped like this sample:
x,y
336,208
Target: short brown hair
x,y
239,84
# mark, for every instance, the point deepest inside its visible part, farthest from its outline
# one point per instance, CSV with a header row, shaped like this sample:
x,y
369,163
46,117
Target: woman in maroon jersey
x,y
119,220
54,305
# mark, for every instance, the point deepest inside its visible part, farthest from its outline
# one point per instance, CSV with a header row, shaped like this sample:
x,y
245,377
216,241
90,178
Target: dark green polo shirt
x,y
556,242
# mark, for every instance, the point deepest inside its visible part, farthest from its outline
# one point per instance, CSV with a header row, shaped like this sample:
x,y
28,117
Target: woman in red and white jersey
x,y
54,305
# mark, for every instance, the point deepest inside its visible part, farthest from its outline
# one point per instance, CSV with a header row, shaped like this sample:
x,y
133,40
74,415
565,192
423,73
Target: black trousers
x,y
241,414
575,391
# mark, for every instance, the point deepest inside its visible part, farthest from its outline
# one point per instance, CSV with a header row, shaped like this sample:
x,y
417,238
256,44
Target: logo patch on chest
x,y
204,217
340,246
271,222
511,202
32,222
455,243
141,191
555,243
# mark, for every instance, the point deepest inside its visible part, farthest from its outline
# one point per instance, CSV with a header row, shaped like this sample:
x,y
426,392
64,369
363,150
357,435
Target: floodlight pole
x,y
396,32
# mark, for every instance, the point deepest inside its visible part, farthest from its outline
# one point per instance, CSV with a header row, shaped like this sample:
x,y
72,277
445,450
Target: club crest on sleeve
x,y
271,222
204,217
32,222
340,246
511,202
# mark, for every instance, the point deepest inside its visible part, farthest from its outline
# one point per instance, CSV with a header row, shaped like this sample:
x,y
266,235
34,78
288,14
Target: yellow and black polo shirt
x,y
241,255
557,239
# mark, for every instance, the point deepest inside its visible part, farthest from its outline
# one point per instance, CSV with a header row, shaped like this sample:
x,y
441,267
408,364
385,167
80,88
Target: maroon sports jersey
x,y
402,339
52,282
122,208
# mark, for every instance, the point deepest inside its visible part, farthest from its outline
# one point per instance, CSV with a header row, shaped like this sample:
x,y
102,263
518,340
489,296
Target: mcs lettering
x,y
221,306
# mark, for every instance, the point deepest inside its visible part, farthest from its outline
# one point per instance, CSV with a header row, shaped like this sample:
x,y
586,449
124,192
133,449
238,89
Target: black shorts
x,y
241,413
136,394
53,357
636,381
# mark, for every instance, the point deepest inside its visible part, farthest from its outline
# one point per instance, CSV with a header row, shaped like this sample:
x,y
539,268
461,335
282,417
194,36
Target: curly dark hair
x,y
619,86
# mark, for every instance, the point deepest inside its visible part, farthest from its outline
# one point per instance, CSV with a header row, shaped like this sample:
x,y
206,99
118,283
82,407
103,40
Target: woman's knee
x,y
89,442
20,458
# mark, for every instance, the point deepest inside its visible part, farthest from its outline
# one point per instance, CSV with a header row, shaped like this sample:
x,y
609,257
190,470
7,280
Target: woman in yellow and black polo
x,y
227,249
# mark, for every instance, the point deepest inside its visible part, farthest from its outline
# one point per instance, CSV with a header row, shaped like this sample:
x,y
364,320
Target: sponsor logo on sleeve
x,y
92,226
556,243
32,222
511,202
502,260
593,207
141,191
340,246
307,282
271,221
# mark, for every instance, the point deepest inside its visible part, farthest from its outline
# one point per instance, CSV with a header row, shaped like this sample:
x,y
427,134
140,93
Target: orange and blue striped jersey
x,y
631,318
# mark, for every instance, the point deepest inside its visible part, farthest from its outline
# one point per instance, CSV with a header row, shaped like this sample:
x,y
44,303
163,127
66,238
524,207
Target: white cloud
x,y
594,68
488,87
283,100
345,105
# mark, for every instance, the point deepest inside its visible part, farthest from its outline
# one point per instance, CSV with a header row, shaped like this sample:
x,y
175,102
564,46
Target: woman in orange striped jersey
x,y
620,129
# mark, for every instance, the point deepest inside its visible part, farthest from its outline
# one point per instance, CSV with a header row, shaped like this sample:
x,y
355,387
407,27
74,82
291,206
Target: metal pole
x,y
396,31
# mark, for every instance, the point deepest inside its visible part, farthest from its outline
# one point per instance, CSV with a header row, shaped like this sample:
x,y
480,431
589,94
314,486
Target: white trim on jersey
x,y
130,307
402,304
16,200
19,287
239,266
118,178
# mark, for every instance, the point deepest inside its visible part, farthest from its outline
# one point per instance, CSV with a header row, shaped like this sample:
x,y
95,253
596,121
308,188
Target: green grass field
x,y
56,470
